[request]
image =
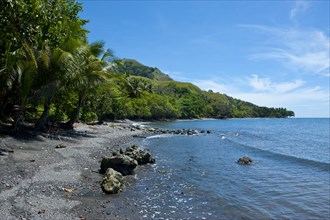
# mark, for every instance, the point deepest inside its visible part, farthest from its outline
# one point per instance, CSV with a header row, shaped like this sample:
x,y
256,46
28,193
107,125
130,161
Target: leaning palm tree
x,y
88,71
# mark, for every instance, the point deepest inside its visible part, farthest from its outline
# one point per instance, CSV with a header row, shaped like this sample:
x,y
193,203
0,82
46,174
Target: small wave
x,y
161,136
319,164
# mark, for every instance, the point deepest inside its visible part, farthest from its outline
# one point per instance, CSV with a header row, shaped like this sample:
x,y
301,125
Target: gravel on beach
x,y
56,176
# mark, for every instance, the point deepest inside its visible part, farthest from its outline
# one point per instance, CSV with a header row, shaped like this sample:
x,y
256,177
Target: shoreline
x,y
40,181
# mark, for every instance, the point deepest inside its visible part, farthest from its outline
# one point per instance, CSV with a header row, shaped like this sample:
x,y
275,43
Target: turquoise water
x,y
197,177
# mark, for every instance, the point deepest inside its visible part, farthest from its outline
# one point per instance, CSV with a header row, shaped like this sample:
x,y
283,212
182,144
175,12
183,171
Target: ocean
x,y
198,177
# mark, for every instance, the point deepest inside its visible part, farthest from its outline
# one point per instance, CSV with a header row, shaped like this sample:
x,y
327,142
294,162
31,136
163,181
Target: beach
x,y
56,176
196,174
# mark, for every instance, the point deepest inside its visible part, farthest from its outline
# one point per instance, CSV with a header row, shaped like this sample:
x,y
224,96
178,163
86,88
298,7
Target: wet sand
x,y
40,181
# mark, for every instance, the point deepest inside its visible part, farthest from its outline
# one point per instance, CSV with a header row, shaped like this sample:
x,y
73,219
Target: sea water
x,y
198,177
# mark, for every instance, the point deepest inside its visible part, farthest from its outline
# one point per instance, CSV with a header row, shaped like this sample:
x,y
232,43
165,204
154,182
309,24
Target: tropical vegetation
x,y
50,73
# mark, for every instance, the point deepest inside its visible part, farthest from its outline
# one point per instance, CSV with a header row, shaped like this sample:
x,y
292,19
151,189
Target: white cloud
x,y
300,7
265,84
305,102
299,97
301,50
213,85
176,75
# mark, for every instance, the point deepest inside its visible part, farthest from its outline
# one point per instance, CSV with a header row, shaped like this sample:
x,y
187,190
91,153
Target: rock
x,y
69,190
162,171
192,132
112,181
42,211
61,145
4,152
121,163
121,151
132,148
208,131
245,160
141,156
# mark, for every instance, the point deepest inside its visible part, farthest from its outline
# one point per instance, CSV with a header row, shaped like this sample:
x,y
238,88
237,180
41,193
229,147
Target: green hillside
x,y
137,69
161,97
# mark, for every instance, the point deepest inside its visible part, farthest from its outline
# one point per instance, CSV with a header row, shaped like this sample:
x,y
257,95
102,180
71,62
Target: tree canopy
x,y
39,22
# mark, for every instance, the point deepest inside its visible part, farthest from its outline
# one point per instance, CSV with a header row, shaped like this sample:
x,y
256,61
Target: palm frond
x,y
96,48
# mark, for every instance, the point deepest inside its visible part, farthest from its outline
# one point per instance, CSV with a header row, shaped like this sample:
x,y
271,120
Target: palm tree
x,y
89,71
17,78
55,69
51,78
136,87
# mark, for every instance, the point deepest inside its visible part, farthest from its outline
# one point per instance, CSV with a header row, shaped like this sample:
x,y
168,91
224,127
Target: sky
x,y
270,53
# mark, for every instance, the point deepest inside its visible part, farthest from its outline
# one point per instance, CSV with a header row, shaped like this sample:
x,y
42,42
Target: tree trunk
x,y
2,111
17,118
75,114
41,123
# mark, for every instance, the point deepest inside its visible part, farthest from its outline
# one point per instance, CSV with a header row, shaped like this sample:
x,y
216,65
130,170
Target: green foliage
x,y
152,106
171,99
38,22
88,116
32,33
48,72
177,89
163,107
138,108
137,69
57,114
63,105
191,106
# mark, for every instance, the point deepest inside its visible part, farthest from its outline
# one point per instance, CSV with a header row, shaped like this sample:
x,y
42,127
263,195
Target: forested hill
x,y
137,69
185,100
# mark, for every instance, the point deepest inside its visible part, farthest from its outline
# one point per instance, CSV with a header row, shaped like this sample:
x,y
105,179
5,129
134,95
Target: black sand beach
x,y
57,176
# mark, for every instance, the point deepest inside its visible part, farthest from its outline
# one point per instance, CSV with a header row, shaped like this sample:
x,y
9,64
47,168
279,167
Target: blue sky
x,y
271,53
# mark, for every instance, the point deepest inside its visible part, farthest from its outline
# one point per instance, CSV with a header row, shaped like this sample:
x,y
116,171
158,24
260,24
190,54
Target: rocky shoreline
x,y
56,176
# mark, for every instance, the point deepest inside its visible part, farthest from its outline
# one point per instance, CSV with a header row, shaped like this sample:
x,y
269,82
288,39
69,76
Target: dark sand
x,y
40,181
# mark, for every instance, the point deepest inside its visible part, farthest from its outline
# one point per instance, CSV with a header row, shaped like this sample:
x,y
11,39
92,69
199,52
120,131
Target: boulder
x,y
190,132
121,163
245,160
141,156
178,132
131,148
151,130
112,181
